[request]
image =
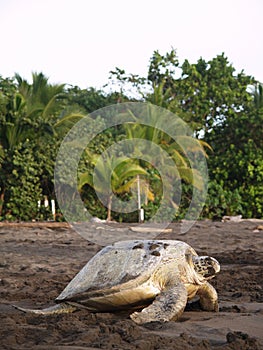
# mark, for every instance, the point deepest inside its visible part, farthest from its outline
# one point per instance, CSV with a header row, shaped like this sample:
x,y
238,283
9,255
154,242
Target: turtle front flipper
x,y
56,309
208,297
168,305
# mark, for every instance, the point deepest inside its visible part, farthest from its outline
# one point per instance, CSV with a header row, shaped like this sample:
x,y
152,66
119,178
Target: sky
x,y
79,42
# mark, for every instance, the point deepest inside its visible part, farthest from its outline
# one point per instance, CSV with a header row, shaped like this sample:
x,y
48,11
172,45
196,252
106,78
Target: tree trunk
x,y
2,198
109,208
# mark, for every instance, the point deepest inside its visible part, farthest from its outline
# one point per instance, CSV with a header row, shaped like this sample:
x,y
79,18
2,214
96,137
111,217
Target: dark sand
x,y
37,262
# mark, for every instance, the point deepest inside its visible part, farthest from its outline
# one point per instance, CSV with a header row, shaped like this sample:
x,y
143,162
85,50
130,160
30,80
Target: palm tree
x,y
14,130
176,149
112,176
32,114
173,150
46,108
14,127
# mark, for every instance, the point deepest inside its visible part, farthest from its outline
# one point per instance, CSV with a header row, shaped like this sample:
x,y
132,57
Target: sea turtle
x,y
156,276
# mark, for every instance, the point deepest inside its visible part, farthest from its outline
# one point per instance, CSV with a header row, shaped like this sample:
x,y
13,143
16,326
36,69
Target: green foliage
x,y
223,108
90,100
29,141
237,159
114,176
23,187
216,102
162,69
211,92
221,202
239,173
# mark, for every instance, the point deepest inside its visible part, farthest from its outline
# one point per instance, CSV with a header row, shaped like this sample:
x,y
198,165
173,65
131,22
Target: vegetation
x,y
223,108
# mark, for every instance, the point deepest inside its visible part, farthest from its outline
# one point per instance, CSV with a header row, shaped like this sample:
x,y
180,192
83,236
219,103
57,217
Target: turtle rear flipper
x,y
168,305
56,309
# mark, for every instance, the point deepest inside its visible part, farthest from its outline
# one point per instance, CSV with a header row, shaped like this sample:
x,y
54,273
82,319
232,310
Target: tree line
x,y
222,107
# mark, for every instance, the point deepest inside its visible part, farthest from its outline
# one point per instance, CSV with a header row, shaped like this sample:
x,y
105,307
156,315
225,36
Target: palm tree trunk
x,y
2,198
109,208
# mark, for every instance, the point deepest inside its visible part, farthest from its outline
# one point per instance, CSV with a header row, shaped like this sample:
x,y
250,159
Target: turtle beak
x,y
216,265
212,267
206,266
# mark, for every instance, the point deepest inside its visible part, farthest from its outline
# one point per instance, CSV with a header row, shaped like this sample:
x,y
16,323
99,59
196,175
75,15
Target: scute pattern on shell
x,y
126,261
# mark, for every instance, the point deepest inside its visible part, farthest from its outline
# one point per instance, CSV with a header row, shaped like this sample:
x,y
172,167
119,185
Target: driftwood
x,y
48,224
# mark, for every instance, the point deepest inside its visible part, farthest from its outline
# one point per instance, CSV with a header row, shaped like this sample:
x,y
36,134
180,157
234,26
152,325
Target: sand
x,y
38,260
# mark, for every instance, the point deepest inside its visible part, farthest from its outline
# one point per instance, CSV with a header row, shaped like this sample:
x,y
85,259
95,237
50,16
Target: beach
x,y
38,260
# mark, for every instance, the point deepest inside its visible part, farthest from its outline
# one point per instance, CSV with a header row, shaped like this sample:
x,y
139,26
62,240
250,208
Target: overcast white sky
x,y
79,41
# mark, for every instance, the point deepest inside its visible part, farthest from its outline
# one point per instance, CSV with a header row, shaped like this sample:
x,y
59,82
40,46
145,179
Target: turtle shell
x,y
123,266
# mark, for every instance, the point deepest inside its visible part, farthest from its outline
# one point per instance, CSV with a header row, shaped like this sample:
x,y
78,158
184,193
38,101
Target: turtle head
x,y
206,266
